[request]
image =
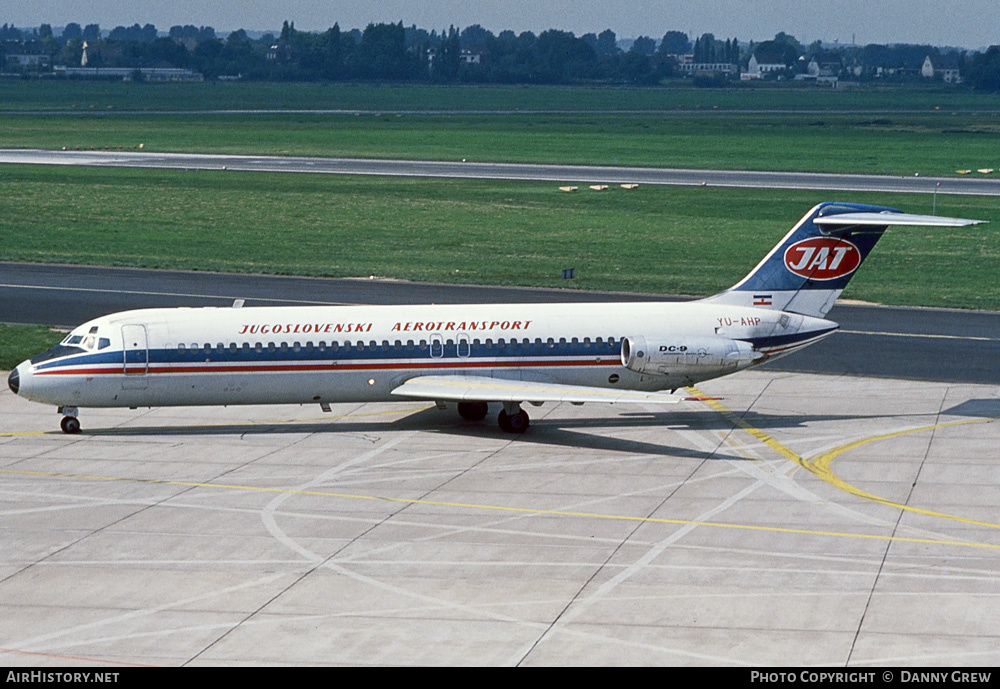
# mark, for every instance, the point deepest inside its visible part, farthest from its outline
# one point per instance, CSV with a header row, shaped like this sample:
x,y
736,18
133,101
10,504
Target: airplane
x,y
466,355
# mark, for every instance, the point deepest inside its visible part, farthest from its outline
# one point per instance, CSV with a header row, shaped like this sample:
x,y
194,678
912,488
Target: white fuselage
x,y
319,354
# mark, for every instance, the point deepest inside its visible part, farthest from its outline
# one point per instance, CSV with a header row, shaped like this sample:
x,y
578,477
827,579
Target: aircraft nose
x,y
14,381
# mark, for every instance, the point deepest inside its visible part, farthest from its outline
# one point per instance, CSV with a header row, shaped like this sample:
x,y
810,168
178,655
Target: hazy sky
x,y
965,23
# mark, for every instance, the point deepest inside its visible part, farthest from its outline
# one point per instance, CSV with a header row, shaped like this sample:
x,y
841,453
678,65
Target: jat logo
x,y
822,258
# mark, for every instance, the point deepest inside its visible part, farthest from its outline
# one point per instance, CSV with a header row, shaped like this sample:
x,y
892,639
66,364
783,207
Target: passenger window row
x,y
398,345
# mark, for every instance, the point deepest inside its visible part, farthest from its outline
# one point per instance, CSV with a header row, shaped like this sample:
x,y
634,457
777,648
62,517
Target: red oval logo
x,y
822,258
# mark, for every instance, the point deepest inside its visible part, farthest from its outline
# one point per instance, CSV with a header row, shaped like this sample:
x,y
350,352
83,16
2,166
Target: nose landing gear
x,y
69,424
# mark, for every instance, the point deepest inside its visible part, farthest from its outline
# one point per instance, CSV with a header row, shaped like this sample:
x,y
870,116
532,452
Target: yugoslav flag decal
x,y
822,258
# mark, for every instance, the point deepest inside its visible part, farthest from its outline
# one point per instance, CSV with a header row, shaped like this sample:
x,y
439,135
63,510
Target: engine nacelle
x,y
676,356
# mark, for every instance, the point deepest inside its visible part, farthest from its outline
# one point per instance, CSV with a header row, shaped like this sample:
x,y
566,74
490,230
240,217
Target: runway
x,y
481,170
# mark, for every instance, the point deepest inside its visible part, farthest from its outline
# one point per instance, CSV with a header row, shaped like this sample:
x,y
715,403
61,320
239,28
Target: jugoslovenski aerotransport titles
x,y
465,355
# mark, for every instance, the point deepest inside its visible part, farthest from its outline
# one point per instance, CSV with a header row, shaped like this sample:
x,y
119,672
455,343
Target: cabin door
x,y
136,361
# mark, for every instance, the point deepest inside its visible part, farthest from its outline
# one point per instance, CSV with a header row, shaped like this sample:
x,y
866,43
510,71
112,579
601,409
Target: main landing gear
x,y
512,418
473,411
69,424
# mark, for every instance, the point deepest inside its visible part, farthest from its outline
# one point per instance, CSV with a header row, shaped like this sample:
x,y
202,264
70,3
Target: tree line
x,y
396,53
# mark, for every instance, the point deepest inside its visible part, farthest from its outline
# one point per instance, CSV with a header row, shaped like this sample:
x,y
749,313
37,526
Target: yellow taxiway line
x,y
820,464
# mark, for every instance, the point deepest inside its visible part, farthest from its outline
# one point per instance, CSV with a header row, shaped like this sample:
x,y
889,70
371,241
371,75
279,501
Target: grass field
x,y
653,239
103,96
18,342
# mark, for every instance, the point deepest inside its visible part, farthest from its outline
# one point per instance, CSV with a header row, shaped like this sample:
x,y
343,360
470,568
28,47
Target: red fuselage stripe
x,y
332,366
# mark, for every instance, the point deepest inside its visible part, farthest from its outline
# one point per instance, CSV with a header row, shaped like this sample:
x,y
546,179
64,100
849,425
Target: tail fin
x,y
809,268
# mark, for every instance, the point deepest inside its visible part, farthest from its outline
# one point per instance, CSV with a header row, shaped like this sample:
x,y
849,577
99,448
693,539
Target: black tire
x,y
70,425
514,423
473,411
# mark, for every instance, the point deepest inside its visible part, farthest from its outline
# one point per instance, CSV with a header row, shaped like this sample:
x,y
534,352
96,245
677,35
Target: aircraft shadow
x,y
575,433
988,408
432,421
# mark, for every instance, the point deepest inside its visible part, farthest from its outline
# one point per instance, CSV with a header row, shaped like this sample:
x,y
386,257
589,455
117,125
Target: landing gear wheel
x,y
517,422
70,425
473,411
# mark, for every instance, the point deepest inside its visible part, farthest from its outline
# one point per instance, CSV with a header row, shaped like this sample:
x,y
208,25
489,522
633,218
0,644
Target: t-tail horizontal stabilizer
x,y
811,265
886,218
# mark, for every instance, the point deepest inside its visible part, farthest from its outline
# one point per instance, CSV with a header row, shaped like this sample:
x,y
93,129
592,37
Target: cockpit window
x,y
74,343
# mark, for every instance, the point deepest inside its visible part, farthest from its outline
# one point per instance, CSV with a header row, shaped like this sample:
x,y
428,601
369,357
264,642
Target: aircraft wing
x,y
483,389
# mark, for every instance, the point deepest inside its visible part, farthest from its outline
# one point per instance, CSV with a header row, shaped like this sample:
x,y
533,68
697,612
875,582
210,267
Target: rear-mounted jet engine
x,y
665,357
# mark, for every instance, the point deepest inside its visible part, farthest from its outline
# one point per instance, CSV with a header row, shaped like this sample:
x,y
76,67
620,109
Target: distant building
x,y
764,64
152,74
820,73
707,69
947,68
470,57
281,51
27,56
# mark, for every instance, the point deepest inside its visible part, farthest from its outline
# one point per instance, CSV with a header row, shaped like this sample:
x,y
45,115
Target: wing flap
x,y
483,389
